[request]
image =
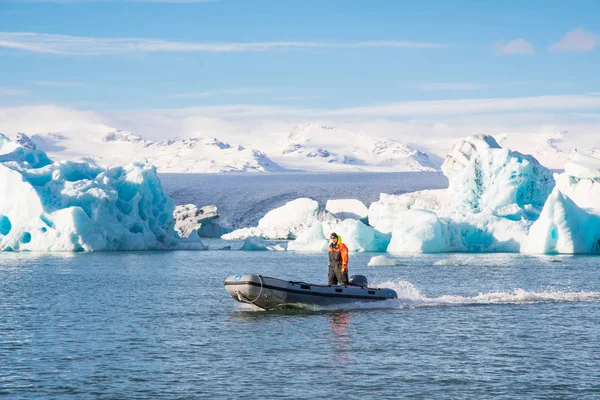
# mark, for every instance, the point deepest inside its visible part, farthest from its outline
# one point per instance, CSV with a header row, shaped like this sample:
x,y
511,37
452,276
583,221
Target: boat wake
x,y
409,297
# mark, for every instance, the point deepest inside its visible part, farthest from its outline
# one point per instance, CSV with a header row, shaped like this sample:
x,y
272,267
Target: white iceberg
x,y
417,231
347,208
382,261
570,220
69,206
285,222
358,236
493,198
311,240
254,243
383,214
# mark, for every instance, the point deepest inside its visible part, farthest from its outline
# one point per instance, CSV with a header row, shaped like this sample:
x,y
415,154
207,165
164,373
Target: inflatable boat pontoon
x,y
271,293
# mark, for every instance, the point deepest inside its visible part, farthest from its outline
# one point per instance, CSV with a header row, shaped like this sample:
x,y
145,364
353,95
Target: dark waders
x,y
335,268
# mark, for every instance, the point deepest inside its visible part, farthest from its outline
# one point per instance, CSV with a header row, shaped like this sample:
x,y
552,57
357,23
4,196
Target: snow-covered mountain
x,y
552,150
200,154
309,147
317,147
207,146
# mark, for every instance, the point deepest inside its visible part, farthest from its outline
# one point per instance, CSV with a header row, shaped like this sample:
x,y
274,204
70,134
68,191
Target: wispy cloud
x,y
577,40
65,84
232,92
516,46
442,86
80,45
9,92
409,108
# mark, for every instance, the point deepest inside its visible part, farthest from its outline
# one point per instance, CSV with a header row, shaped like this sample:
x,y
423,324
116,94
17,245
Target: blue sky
x,y
325,54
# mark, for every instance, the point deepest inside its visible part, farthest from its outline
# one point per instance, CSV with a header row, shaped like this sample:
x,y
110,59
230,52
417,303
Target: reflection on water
x,y
341,342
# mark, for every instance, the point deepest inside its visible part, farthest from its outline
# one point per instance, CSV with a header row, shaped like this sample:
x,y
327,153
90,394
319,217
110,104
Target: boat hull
x,y
271,293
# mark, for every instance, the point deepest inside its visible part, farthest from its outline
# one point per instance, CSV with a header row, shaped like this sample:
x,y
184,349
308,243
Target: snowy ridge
x,y
330,148
201,154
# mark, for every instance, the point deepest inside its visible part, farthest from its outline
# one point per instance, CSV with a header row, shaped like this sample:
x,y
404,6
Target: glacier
x,y
77,206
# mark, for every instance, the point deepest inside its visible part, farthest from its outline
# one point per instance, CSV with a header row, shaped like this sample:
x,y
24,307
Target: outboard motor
x,y
358,280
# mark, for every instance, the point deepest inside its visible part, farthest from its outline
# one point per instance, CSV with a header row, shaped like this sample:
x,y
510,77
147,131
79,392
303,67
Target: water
x,y
160,325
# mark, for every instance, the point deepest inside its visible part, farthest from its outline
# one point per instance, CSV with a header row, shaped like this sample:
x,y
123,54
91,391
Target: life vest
x,y
338,254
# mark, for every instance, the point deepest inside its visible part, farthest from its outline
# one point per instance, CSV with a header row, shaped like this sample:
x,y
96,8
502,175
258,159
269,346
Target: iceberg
x,y
189,219
347,208
382,214
254,243
76,206
417,231
311,240
354,233
286,222
570,220
494,197
382,261
358,236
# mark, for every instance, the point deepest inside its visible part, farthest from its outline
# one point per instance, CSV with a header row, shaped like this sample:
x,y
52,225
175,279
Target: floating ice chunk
x,y
69,206
311,240
357,236
383,213
563,227
347,208
570,220
189,218
483,176
254,243
294,217
417,231
493,198
382,261
243,233
287,221
455,261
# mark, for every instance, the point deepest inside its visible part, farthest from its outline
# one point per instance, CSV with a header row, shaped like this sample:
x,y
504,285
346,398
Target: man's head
x,y
333,237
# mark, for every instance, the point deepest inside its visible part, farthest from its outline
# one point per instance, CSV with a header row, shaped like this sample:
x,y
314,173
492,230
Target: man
x,y
338,261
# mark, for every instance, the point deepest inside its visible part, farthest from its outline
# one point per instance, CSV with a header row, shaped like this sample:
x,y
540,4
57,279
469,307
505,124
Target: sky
x,y
372,60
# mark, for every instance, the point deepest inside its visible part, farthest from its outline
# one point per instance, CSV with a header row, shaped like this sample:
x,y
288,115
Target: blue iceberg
x,y
76,206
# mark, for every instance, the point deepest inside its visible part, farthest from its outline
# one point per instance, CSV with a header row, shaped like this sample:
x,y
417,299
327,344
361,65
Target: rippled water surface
x,y
160,325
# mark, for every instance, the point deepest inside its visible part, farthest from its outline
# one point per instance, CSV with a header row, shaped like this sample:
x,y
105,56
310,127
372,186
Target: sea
x,y
160,325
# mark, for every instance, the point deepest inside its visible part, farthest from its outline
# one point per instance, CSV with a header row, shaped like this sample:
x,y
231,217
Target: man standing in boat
x,y
338,261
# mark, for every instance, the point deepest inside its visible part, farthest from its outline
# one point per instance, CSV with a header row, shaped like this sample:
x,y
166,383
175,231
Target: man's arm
x,y
344,254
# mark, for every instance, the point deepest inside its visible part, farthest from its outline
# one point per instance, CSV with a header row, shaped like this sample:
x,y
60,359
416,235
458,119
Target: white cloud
x,y
431,86
8,91
233,92
407,109
577,40
58,83
80,45
516,46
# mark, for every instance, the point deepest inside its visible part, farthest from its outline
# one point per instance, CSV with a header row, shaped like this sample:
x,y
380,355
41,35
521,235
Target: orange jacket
x,y
343,254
